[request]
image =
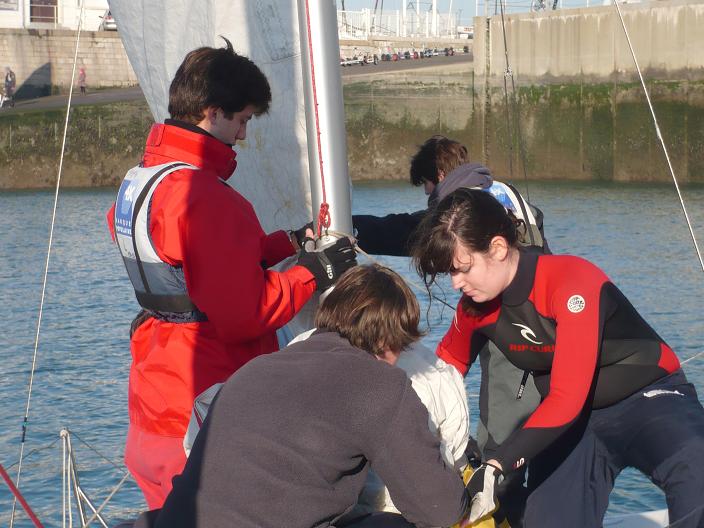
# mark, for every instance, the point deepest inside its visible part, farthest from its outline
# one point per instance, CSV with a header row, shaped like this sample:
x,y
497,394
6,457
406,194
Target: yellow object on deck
x,y
484,522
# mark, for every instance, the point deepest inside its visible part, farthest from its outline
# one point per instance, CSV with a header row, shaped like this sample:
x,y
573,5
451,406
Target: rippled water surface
x,y
636,233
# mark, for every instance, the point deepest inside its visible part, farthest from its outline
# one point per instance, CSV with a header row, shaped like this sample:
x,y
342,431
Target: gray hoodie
x,y
469,175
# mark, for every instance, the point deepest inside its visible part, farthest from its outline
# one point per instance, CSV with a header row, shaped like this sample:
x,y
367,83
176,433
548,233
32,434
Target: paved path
x,y
109,95
134,93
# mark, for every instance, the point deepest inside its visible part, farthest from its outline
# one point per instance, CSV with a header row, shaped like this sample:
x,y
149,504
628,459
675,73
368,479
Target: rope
x,y
104,457
507,72
324,213
34,452
693,357
65,433
659,134
516,110
96,513
18,496
46,266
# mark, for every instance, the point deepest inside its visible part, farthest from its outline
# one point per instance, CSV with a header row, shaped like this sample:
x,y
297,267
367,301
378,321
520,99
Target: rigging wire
x,y
516,108
659,135
46,266
507,72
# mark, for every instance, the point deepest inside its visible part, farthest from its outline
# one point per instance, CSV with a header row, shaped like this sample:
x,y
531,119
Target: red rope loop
x,y
323,217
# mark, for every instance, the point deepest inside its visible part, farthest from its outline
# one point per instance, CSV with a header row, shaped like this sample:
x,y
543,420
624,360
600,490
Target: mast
x,y
325,116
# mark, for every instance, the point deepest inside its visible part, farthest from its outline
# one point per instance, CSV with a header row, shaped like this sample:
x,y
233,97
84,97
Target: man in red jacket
x,y
197,258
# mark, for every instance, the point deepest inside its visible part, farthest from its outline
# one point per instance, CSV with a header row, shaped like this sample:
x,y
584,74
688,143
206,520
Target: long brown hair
x,y
373,308
469,217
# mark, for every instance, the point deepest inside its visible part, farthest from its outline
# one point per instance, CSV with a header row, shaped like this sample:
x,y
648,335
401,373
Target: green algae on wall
x,y
102,143
570,131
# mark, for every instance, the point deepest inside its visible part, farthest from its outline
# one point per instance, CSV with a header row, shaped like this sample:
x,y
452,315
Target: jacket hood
x,y
174,143
470,175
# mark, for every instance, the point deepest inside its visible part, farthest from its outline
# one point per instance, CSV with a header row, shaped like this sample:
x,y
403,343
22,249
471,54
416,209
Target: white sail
x,y
272,167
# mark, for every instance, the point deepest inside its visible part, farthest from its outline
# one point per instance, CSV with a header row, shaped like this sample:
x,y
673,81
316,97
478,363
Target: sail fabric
x,y
272,170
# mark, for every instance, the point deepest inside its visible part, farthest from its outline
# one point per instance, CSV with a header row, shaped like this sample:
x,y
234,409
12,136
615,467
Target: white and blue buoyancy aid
x,y
159,286
512,200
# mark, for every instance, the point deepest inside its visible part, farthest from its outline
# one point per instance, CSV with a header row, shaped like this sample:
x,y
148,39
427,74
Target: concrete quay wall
x,y
589,44
43,59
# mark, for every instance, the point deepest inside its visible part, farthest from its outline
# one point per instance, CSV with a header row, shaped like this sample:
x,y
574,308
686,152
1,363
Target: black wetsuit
x,y
587,348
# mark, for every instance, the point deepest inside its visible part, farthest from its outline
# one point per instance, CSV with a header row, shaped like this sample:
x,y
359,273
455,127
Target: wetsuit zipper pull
x,y
522,386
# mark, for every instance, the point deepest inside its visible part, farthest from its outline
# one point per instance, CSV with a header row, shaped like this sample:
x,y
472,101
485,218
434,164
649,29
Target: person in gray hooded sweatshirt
x,y
507,395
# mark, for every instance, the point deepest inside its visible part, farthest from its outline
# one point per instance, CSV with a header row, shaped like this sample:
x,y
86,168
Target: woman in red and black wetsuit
x,y
613,393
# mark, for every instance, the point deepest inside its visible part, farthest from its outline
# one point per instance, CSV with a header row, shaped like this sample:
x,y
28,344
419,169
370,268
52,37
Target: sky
x,y
466,6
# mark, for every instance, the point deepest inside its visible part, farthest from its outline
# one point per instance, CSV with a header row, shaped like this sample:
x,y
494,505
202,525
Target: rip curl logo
x,y
576,303
661,392
519,463
528,334
329,271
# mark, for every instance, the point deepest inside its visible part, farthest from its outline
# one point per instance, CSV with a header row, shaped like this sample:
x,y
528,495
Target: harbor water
x,y
635,232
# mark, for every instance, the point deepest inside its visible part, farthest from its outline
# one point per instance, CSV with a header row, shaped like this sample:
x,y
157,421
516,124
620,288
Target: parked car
x,y
465,49
108,23
371,59
350,61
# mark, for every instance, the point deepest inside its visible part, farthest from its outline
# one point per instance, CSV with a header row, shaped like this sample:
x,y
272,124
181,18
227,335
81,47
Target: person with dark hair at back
x,y
442,166
613,393
291,436
198,260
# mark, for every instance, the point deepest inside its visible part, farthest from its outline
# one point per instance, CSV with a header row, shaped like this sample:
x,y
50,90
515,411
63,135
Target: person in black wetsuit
x,y
613,392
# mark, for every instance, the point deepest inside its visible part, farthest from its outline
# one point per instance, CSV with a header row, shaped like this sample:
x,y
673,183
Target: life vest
x,y
160,287
511,199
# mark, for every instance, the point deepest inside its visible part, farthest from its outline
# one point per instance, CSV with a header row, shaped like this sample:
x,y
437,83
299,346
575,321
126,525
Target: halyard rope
x,y
46,266
324,212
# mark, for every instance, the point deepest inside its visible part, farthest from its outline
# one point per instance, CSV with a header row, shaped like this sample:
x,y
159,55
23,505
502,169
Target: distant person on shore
x,y
613,392
82,80
291,436
10,84
199,261
442,166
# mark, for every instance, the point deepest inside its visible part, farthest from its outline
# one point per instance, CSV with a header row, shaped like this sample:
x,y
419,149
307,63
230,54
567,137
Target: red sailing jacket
x,y
202,224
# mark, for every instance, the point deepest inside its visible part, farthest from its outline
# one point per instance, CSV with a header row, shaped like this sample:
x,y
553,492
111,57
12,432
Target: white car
x,y
108,23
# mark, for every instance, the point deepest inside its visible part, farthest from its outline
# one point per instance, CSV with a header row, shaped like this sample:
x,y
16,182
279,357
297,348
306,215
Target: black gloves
x,y
473,453
482,491
329,263
300,234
